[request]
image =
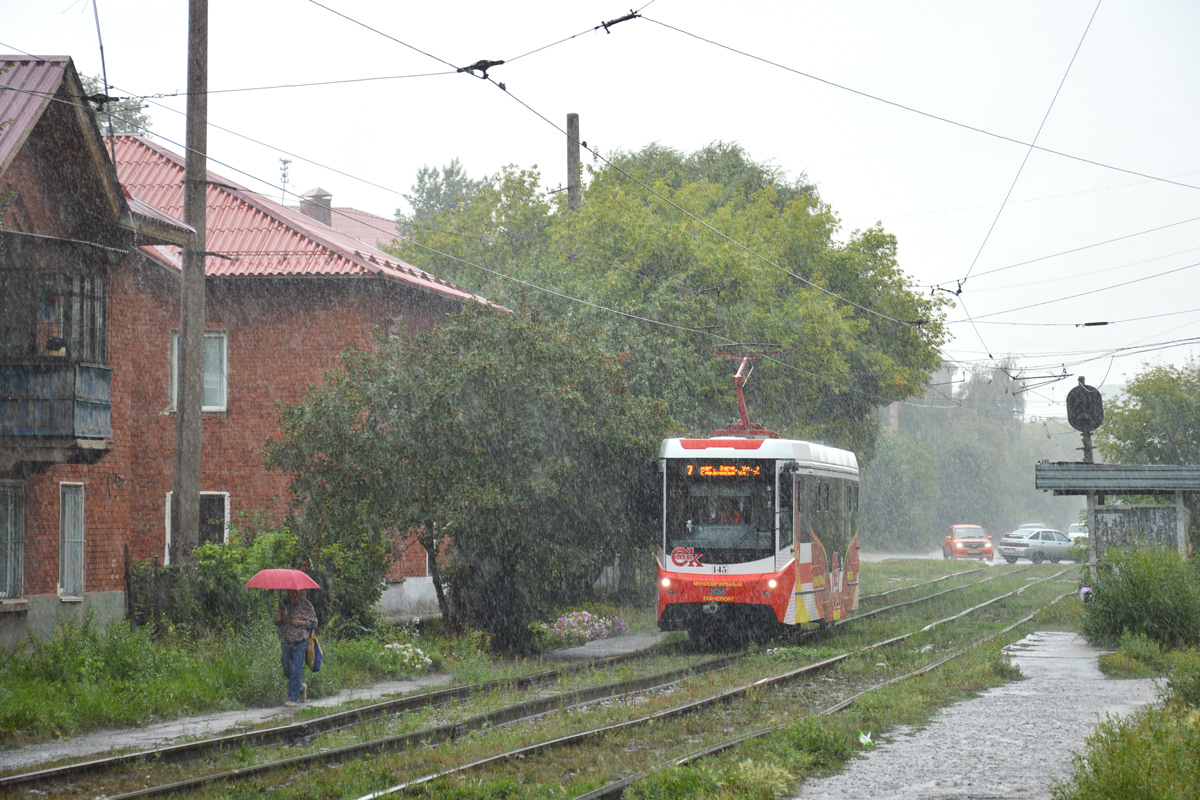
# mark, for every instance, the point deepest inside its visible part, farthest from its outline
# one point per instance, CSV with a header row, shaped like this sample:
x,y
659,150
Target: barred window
x,y
70,540
12,540
52,314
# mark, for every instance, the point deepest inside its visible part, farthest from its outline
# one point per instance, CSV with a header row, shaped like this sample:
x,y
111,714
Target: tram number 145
x,y
720,568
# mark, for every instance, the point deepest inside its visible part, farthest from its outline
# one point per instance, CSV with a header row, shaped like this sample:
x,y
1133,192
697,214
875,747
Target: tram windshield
x,y
724,511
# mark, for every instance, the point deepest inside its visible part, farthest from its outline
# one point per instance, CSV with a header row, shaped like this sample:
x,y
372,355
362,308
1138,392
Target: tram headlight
x,y
772,583
666,583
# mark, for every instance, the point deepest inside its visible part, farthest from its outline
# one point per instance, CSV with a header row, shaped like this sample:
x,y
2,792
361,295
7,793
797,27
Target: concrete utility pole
x,y
573,161
1085,413
189,385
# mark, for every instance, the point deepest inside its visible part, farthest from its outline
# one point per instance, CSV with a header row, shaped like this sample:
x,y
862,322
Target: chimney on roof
x,y
318,204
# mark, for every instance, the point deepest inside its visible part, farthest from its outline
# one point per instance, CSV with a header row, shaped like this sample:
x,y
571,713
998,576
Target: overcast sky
x,y
1124,126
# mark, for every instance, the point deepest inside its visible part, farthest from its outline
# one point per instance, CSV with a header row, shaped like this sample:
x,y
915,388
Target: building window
x,y
52,315
215,352
214,520
70,540
12,540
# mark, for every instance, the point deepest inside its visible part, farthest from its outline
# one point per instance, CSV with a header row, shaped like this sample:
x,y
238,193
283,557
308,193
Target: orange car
x,y
967,541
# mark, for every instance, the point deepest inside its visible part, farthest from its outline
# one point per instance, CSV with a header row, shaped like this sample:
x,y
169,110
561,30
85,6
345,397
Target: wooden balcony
x,y
54,412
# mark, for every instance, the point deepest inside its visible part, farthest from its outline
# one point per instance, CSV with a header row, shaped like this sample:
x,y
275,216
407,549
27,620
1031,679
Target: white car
x,y
1037,545
1077,531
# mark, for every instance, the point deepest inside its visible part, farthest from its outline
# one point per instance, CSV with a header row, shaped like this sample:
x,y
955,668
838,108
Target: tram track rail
x,y
951,576
617,788
702,703
295,731
299,731
451,730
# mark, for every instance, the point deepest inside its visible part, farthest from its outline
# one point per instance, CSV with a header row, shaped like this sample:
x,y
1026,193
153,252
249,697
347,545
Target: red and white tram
x,y
757,531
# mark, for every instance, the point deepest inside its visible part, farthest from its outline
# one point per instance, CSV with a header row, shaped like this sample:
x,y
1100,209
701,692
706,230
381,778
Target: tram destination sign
x,y
725,470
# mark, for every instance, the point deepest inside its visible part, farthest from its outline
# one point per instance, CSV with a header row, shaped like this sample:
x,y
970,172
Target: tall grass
x,y
1153,753
83,676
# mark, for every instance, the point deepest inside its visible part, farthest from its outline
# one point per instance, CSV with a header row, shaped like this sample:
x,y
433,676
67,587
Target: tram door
x,y
826,523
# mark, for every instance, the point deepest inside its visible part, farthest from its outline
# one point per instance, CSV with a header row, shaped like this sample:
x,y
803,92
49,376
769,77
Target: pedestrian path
x,y
159,734
1012,741
150,737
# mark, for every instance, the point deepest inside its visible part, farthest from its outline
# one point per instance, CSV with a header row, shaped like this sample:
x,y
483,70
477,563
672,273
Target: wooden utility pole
x,y
573,161
189,384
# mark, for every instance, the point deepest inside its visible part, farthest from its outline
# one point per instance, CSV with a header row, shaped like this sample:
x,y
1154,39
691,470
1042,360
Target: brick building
x,y
89,284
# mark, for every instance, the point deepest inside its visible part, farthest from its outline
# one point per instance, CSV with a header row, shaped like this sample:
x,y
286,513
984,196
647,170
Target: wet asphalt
x,y
1013,741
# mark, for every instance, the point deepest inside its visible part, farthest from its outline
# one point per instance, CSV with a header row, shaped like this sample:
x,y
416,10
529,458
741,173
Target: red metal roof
x,y
364,226
27,86
261,237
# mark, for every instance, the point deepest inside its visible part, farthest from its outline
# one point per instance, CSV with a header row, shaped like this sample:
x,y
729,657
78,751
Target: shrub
x,y
1142,648
1149,754
827,747
577,627
209,594
1183,682
409,657
753,780
1151,592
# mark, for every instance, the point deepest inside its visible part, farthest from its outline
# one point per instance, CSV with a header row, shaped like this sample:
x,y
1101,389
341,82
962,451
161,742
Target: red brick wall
x,y
282,335
48,191
410,560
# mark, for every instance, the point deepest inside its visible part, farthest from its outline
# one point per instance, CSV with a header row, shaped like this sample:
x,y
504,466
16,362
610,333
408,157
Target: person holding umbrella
x,y
296,621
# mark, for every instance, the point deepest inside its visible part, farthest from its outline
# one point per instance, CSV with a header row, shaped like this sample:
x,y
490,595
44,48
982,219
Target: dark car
x,y
967,541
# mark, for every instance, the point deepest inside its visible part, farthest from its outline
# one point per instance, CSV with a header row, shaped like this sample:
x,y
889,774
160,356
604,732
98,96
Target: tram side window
x,y
826,517
806,498
785,512
827,507
851,510
839,517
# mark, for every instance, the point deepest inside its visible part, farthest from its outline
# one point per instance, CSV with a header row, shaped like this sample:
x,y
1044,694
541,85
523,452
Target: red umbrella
x,y
282,579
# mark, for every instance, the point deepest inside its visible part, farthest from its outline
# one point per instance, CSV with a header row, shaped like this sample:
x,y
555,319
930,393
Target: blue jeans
x,y
292,656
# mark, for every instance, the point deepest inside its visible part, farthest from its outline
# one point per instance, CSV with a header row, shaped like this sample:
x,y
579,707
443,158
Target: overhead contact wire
x,y
1032,144
926,114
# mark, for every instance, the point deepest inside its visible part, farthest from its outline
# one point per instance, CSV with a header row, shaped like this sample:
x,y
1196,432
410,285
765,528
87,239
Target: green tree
x,y
1155,420
983,455
507,442
726,164
678,286
900,496
125,116
437,192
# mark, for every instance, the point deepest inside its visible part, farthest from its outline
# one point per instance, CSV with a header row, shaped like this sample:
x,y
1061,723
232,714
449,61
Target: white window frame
x,y
167,544
173,355
14,544
80,551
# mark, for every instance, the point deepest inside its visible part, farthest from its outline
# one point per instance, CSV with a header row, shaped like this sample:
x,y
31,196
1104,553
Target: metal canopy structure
x,y
1097,480
1074,478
